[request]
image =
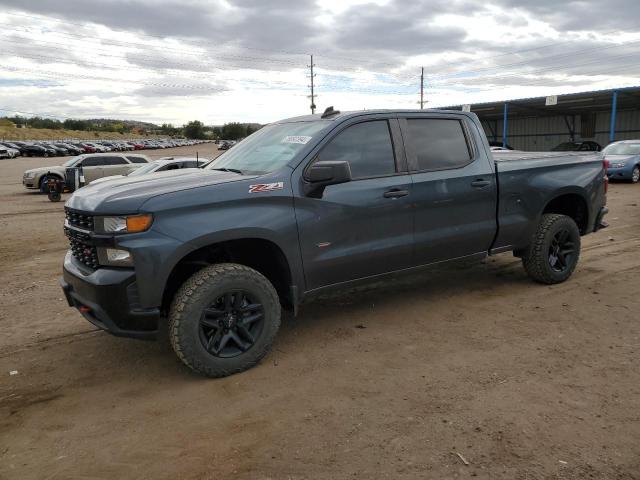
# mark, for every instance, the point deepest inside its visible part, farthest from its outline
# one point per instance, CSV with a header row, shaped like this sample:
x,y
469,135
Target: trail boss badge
x,y
266,187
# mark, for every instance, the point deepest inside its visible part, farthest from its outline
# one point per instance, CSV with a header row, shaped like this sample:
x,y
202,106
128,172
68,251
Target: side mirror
x,y
324,173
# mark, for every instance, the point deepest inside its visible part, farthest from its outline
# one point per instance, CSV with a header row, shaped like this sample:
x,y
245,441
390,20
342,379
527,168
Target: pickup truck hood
x,y
127,194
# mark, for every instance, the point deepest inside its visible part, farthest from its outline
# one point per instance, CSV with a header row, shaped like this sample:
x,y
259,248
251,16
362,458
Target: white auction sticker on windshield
x,y
301,139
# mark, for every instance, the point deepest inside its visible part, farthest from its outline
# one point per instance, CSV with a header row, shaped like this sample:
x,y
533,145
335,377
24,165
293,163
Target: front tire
x,y
554,251
635,174
223,320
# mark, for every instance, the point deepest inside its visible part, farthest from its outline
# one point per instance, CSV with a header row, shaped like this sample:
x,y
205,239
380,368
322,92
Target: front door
x,y
363,227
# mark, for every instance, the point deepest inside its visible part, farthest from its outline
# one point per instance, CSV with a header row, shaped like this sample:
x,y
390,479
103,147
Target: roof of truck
x,y
355,113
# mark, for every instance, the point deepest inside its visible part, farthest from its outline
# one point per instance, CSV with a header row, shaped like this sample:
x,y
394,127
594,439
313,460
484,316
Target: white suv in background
x,y
94,166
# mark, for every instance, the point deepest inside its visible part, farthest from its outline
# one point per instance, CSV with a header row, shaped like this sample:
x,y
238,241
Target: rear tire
x,y
554,251
223,320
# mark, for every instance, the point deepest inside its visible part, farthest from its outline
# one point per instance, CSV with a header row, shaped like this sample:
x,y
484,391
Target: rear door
x,y
92,168
454,187
116,165
363,227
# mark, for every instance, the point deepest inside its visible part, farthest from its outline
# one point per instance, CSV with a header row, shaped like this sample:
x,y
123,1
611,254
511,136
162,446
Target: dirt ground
x,y
461,371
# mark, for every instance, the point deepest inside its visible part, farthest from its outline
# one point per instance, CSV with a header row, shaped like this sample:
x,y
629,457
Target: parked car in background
x,y
586,146
86,148
164,164
624,160
58,151
71,149
12,150
496,144
4,153
33,150
94,166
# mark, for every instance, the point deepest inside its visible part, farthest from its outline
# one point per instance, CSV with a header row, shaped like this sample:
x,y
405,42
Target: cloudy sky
x,y
246,60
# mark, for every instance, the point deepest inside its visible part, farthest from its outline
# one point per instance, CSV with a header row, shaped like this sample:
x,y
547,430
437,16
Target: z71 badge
x,y
266,187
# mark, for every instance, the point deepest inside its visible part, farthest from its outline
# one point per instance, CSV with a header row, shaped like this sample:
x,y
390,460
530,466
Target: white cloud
x,y
245,60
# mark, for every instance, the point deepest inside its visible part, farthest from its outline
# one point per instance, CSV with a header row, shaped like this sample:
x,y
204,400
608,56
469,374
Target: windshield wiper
x,y
234,170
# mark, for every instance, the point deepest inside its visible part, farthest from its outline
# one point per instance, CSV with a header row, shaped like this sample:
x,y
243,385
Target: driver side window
x,y
366,146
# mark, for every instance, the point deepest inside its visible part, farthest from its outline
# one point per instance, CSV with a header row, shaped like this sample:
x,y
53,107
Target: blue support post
x,y
504,124
614,108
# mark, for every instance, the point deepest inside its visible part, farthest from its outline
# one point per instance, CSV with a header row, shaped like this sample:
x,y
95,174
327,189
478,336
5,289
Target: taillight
x,y
605,164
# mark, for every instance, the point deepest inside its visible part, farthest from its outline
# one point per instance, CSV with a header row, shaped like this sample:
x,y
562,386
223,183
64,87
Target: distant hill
x,y
26,133
131,123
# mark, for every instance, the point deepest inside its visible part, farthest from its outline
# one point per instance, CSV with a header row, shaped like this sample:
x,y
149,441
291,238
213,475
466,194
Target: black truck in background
x,y
312,203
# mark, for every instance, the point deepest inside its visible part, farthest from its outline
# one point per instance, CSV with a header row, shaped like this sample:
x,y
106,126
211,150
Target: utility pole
x,y
422,89
313,95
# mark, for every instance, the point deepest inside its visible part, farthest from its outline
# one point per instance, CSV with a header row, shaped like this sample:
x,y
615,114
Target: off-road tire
x,y
201,289
536,259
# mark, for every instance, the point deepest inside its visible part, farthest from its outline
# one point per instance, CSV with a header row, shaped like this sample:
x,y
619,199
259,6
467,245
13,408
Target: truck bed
x,y
507,160
528,180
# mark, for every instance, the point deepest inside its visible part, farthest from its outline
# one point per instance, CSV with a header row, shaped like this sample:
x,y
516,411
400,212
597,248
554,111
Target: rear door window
x,y
439,143
93,162
115,161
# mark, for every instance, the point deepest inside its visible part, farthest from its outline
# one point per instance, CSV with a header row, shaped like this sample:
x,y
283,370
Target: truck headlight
x,y
124,224
115,257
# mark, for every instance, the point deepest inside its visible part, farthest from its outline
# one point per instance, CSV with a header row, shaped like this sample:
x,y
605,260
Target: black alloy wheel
x,y
231,324
561,251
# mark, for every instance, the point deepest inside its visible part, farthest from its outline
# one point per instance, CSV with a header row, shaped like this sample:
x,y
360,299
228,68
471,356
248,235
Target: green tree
x,y
194,129
233,131
169,129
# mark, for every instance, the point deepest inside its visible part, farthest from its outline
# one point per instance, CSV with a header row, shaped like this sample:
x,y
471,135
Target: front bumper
x,y
108,298
619,173
29,182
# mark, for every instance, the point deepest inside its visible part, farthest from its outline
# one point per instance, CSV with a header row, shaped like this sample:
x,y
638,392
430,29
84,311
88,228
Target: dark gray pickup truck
x,y
311,203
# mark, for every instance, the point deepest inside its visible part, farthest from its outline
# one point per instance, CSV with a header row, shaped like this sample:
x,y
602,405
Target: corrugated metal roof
x,y
568,104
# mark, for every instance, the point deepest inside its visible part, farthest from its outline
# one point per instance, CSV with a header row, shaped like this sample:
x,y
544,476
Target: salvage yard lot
x,y
391,380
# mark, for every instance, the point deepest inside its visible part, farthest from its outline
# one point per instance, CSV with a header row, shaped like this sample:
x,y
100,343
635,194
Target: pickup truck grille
x,y
79,219
80,242
81,248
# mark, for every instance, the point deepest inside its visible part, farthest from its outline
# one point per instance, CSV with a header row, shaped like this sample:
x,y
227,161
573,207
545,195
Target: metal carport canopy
x,y
610,100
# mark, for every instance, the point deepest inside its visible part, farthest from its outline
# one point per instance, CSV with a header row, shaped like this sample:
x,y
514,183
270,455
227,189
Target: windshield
x,y
268,149
622,149
148,168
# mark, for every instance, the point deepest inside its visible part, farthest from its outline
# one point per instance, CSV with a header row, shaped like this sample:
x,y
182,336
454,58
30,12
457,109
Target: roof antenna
x,y
329,112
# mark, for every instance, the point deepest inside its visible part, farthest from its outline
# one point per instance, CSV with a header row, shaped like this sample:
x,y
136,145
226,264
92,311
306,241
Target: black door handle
x,y
395,193
480,183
